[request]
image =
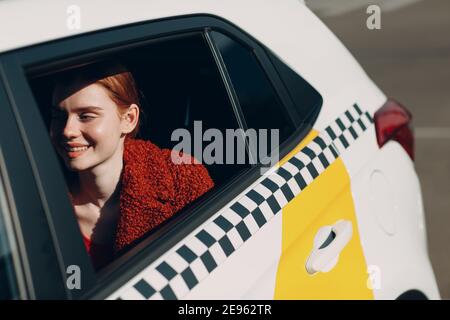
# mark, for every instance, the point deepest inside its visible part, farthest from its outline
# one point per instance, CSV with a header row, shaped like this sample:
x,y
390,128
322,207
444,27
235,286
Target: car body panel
x,y
326,200
399,259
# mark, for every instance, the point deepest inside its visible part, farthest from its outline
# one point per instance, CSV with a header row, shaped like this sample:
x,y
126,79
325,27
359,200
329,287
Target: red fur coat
x,y
153,189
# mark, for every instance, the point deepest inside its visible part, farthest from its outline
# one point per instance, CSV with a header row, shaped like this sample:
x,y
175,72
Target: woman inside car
x,y
121,187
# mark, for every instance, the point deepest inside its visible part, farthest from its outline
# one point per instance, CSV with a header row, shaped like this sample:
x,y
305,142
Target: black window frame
x,y
40,272
43,160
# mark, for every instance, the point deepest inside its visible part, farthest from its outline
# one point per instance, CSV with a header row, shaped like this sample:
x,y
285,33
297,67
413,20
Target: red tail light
x,y
393,122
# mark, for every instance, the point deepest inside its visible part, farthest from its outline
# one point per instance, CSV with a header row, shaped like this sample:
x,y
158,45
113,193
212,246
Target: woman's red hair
x,y
111,75
123,91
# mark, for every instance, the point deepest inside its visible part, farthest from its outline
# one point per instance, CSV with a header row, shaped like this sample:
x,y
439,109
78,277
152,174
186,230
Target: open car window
x,y
180,90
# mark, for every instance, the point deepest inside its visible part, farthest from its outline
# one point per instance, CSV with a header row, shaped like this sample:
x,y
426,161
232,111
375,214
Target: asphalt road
x,y
409,59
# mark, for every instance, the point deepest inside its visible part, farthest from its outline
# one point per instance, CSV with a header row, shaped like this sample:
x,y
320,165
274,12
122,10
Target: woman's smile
x,y
74,150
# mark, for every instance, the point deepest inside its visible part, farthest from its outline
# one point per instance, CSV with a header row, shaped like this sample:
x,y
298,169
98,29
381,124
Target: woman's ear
x,y
130,119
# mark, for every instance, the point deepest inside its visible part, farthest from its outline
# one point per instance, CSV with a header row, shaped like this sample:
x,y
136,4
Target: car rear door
x,y
258,244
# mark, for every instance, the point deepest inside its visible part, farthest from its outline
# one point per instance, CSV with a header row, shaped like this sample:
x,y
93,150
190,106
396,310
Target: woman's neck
x,y
96,200
101,183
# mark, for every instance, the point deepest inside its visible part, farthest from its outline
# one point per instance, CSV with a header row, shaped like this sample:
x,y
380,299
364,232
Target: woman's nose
x,y
71,129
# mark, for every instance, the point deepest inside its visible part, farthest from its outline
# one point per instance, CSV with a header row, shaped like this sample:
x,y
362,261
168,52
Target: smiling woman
x,y
120,187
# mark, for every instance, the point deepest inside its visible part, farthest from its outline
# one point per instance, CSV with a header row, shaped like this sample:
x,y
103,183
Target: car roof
x,y
26,22
287,28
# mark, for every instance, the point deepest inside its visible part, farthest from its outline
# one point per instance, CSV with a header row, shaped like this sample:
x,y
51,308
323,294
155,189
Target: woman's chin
x,y
76,161
77,166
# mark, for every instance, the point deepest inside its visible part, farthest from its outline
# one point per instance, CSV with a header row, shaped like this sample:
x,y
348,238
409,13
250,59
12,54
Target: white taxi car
x,y
340,216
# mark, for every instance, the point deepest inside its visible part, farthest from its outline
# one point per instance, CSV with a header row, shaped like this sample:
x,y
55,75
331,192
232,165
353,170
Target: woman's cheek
x,y
103,131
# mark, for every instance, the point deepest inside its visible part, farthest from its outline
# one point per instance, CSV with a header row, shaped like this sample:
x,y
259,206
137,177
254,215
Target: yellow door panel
x,y
325,201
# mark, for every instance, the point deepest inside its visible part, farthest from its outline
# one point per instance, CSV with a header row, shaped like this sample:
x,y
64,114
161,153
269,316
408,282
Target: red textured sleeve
x,y
191,180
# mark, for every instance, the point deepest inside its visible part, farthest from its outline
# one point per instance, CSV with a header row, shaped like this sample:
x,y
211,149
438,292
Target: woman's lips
x,y
75,152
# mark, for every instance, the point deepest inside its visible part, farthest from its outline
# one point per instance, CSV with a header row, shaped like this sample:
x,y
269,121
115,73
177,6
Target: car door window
x,y
260,104
180,88
259,100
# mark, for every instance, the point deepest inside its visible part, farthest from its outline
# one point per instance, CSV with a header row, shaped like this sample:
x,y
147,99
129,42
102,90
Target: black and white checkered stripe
x,y
199,255
348,127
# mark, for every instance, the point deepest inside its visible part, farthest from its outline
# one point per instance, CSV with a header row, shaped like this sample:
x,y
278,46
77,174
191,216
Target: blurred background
x,y
409,59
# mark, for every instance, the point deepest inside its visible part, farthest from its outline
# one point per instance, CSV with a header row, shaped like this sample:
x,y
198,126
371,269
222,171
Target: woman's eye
x,y
86,116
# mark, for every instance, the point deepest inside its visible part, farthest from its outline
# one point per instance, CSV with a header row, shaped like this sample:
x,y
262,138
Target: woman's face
x,y
86,128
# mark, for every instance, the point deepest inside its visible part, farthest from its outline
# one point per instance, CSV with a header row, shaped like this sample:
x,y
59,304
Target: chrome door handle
x,y
328,244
